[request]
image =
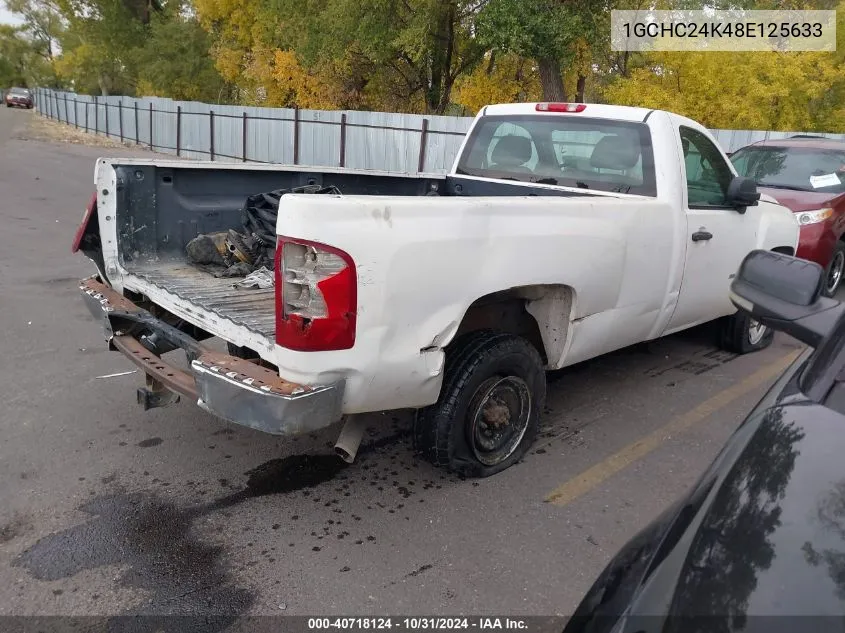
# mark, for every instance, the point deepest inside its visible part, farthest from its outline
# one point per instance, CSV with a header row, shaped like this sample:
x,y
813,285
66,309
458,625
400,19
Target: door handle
x,y
700,236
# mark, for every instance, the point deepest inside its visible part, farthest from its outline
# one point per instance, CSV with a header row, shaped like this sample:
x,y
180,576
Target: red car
x,y
19,97
806,174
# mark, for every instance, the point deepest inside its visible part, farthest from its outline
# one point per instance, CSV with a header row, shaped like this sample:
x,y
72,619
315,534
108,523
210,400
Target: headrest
x,y
615,152
512,151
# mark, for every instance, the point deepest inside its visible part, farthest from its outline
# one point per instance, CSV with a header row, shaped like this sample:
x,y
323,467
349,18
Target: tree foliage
x,y
21,60
175,60
42,22
797,91
558,35
426,56
501,78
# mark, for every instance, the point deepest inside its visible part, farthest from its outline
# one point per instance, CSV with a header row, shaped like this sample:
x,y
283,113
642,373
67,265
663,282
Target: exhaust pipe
x,y
351,434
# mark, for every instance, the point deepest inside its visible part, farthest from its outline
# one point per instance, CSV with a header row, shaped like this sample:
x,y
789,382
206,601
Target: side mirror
x,y
742,193
785,294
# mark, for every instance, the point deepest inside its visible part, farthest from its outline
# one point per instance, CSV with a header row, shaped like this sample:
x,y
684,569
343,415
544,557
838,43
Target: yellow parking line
x,y
592,477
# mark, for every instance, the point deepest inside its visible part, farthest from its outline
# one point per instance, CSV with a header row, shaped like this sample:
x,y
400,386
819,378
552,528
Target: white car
x,y
563,232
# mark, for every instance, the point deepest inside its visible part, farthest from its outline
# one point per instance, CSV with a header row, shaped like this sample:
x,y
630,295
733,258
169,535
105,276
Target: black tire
x,y
737,334
835,270
480,366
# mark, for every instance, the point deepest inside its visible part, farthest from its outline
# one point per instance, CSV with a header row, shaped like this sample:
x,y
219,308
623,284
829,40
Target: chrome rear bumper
x,y
235,389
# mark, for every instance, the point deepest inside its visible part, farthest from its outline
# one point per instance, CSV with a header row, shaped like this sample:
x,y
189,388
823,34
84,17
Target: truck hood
x,y
799,201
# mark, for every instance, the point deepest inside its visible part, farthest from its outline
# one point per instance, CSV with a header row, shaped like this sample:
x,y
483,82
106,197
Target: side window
x,y
708,174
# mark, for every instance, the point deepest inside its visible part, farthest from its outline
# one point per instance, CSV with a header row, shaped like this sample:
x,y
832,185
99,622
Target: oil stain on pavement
x,y
164,555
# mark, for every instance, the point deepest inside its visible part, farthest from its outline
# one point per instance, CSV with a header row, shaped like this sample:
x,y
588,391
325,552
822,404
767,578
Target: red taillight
x,y
316,296
89,211
561,107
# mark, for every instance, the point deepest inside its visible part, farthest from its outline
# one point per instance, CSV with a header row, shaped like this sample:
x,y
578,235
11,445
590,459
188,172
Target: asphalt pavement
x,y
107,509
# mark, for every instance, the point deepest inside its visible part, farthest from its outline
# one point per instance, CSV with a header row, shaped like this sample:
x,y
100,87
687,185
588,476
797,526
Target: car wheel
x,y
835,270
486,418
741,334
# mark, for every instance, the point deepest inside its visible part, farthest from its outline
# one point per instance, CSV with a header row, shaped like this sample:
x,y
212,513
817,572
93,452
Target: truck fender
x,y
539,313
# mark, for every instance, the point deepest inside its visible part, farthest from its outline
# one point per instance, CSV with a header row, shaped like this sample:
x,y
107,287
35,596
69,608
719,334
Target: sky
x,y
8,18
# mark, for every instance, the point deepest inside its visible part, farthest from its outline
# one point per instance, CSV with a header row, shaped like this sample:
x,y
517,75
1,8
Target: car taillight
x,y
561,107
316,296
86,217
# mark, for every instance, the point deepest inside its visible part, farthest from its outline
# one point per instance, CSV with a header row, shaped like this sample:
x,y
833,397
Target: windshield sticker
x,y
827,180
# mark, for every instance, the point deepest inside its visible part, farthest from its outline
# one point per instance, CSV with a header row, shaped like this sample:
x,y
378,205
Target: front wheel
x,y
835,270
742,334
488,412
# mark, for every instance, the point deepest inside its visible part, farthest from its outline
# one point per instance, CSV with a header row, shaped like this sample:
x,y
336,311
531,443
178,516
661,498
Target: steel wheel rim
x,y
756,331
834,275
499,414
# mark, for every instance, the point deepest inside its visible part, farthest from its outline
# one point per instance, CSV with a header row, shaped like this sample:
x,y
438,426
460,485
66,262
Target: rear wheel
x,y
488,413
835,270
741,334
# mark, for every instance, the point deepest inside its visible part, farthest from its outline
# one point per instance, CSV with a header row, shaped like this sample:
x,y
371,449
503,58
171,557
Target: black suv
x,y
762,533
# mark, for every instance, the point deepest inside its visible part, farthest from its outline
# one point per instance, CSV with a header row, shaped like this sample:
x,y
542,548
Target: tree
x,y
42,21
399,54
13,53
174,60
21,63
763,91
502,78
555,33
101,43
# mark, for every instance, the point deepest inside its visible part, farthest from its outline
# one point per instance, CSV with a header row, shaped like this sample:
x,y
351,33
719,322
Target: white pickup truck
x,y
563,232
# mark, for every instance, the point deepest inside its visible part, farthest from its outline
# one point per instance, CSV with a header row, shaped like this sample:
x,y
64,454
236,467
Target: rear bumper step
x,y
232,388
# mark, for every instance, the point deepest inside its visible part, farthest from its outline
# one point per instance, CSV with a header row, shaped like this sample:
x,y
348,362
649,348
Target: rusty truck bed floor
x,y
252,308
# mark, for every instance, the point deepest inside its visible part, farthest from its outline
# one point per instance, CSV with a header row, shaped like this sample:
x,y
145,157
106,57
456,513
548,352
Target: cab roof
x,y
597,110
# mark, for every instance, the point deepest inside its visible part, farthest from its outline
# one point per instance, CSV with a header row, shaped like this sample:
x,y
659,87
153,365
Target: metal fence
x,y
364,140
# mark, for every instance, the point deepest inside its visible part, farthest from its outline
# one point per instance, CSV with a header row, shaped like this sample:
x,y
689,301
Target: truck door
x,y
718,236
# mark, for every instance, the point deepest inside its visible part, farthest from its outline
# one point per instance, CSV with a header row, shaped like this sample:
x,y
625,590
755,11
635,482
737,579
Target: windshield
x,y
562,150
19,91
798,168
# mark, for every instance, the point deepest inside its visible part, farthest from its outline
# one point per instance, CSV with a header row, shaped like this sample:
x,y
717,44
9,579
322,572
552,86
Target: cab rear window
x,y
570,151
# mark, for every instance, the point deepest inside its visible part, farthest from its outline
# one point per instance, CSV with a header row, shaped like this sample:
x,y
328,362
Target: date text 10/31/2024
x,y
417,624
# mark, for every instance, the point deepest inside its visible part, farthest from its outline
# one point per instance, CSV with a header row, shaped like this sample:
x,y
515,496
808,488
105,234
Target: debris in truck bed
x,y
261,278
207,249
237,253
259,217
238,269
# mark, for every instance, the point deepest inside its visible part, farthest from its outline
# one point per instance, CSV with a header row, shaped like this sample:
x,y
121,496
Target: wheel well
x,y
784,250
540,314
